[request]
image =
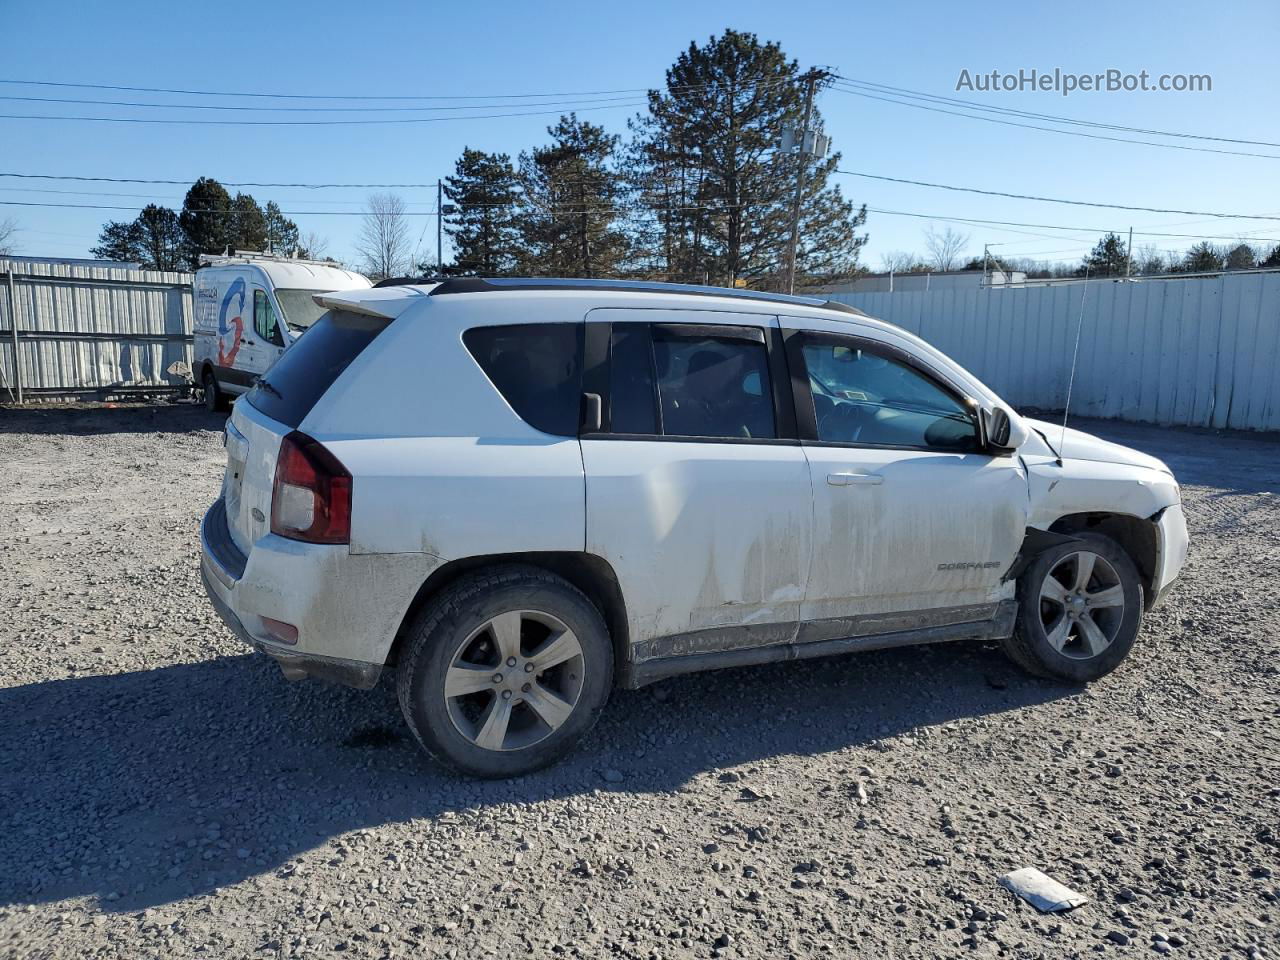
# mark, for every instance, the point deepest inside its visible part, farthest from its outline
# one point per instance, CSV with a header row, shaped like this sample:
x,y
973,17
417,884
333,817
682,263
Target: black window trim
x,y
806,418
598,344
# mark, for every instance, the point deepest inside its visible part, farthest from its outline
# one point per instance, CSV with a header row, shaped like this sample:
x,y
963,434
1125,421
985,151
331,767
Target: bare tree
x,y
8,228
901,261
944,248
383,243
313,246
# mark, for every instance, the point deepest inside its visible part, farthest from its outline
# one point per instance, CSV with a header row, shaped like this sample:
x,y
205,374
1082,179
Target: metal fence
x,y
69,329
1201,352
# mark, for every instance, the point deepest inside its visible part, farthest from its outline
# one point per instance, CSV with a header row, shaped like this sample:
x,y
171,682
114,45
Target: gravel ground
x,y
165,794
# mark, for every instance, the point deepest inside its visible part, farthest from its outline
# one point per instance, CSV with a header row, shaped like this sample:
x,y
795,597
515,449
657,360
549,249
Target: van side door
x,y
697,490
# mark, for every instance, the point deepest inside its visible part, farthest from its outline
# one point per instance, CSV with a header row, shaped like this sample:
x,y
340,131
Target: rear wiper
x,y
266,385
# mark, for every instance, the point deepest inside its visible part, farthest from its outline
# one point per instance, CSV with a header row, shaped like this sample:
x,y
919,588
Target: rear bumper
x,y
238,600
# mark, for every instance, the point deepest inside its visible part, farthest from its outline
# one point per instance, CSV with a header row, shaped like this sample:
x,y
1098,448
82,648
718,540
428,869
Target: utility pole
x,y
986,258
439,228
1128,255
809,144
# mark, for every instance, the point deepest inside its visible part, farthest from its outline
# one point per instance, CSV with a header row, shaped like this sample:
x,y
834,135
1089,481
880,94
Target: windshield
x,y
299,308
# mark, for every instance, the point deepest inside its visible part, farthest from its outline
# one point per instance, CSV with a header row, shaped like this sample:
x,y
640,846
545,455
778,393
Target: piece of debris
x,y
1044,893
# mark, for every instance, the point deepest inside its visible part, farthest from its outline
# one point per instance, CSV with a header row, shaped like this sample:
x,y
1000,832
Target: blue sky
x,y
511,48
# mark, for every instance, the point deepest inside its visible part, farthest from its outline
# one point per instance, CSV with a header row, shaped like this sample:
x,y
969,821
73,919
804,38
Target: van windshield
x,y
299,307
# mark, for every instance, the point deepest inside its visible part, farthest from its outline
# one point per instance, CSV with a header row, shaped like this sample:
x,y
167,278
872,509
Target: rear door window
x,y
537,367
714,387
310,366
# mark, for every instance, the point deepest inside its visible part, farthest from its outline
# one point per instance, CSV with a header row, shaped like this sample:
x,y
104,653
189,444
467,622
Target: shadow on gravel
x,y
82,419
143,788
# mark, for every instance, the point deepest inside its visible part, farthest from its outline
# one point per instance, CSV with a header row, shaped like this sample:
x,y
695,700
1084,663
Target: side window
x,y
264,319
537,367
632,400
710,387
863,397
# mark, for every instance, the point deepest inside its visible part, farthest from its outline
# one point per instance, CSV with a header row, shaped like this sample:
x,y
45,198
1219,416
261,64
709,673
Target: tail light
x,y
311,497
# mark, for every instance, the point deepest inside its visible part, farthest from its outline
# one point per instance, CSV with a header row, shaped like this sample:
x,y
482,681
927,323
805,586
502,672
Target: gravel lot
x,y
165,794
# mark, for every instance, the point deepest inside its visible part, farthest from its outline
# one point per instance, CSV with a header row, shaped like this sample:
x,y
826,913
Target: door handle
x,y
851,479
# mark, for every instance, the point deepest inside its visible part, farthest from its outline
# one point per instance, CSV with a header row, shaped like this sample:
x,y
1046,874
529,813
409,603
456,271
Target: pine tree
x,y
120,241
571,204
282,233
485,229
1108,258
1272,260
206,220
159,238
249,224
1204,257
1242,257
706,169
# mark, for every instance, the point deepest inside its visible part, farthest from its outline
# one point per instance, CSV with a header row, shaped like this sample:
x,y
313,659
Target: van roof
x,y
296,274
393,299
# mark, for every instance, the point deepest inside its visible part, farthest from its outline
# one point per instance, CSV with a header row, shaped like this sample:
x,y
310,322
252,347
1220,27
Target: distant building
x,y
930,280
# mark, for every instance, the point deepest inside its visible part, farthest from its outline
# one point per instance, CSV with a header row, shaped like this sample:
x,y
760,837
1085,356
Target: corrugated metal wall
x,y
85,328
1199,352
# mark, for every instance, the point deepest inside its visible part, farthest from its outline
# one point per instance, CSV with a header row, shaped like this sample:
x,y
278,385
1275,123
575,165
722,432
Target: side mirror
x,y
1003,437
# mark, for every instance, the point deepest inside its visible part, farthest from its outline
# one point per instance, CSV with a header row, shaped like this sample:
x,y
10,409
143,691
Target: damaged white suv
x,y
521,493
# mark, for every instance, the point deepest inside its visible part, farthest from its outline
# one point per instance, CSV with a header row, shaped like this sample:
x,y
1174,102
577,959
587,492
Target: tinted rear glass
x,y
307,369
537,367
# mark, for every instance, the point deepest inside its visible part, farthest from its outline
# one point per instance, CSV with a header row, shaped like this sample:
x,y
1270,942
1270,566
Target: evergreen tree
x,y
206,221
1108,258
706,169
485,229
1204,257
1242,257
159,238
571,204
249,224
119,240
1272,260
282,233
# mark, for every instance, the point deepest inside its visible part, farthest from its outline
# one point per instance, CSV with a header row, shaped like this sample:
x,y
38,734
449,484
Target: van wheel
x,y
214,399
505,672
1079,610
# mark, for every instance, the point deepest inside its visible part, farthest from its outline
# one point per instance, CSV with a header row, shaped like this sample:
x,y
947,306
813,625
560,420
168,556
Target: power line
x,y
1071,133
624,101
1073,203
312,123
622,213
1050,226
368,97
992,108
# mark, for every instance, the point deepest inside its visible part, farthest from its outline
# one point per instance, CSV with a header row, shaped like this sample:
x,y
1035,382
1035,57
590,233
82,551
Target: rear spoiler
x,y
387,303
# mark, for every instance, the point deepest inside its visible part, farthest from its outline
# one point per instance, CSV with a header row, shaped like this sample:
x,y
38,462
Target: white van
x,y
248,308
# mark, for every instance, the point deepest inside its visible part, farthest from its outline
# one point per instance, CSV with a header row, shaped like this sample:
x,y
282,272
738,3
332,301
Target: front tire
x,y
215,400
1079,610
505,672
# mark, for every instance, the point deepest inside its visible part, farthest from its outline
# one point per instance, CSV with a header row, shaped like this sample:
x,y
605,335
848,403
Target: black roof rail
x,y
491,284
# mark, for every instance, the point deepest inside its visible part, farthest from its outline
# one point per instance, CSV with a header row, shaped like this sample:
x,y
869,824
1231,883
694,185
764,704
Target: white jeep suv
x,y
523,492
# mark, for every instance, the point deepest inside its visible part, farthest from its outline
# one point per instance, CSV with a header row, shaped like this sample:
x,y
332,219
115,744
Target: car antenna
x,y
1075,352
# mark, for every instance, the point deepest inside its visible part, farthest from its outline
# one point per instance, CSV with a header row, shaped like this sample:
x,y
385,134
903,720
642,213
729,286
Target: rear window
x,y
537,367
307,369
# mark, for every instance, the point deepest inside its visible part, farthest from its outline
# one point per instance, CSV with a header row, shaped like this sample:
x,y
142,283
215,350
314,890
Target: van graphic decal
x,y
234,327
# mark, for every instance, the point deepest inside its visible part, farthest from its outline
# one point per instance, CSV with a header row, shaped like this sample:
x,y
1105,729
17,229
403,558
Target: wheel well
x,y
1134,534
589,573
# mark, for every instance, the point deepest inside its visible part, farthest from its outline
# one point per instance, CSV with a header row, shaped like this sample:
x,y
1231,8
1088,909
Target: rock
x,y
612,776
1118,938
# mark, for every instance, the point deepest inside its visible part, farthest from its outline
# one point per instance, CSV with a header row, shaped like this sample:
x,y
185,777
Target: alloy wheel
x,y
514,680
1081,605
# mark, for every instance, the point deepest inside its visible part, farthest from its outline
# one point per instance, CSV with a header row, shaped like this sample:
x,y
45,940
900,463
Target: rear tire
x,y
215,401
1079,610
505,672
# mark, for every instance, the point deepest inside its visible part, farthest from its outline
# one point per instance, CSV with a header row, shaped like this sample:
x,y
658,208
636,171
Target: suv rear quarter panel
x,y
441,465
